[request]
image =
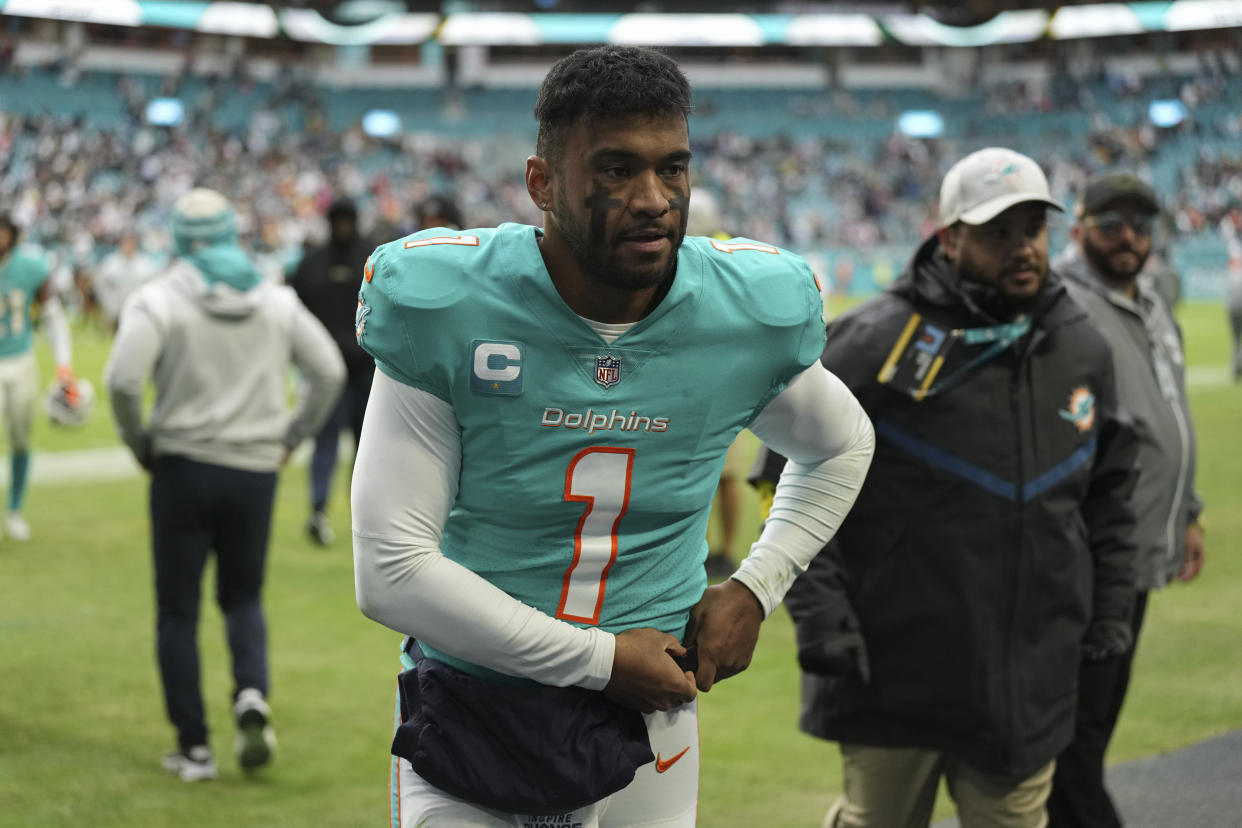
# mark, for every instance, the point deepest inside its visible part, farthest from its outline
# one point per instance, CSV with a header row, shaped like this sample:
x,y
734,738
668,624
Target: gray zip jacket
x,y
1151,387
220,360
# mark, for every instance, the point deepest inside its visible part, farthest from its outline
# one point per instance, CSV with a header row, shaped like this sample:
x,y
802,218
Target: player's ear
x,y
539,182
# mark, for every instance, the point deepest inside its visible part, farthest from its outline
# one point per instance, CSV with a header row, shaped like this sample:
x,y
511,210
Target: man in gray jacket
x,y
1112,240
218,342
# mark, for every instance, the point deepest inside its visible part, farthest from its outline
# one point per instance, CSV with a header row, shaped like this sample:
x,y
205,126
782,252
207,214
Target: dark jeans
x,y
1079,799
198,508
348,412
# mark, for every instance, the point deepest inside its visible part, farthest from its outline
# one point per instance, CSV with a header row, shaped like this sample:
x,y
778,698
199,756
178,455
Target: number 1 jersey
x,y
588,468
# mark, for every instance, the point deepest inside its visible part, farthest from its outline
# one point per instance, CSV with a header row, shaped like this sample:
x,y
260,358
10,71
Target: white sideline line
x,y
116,463
1206,376
113,463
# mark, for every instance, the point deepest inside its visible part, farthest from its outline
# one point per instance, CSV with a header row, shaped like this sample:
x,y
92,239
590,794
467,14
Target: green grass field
x,y
82,723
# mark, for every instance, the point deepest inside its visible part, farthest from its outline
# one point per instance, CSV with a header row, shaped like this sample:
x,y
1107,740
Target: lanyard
x,y
1000,337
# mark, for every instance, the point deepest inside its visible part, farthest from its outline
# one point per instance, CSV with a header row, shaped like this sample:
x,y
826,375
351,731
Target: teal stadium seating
x,y
820,144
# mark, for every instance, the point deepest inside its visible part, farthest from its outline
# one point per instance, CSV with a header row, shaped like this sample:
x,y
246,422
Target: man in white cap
x,y
218,341
990,547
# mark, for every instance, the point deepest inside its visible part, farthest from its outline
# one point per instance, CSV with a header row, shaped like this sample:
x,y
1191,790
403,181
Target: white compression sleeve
x,y
404,484
818,424
56,326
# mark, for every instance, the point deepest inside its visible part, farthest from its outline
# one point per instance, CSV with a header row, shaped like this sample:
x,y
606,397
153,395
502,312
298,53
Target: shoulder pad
x,y
31,264
429,269
415,292
777,285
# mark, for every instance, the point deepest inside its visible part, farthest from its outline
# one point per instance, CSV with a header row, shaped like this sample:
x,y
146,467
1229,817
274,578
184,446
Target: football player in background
x,y
545,433
27,294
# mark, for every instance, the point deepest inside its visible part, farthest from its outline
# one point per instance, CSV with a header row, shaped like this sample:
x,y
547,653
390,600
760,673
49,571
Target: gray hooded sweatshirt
x,y
219,358
1151,387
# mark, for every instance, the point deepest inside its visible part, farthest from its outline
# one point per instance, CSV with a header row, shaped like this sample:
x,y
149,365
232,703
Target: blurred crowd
x,y
80,190
1209,195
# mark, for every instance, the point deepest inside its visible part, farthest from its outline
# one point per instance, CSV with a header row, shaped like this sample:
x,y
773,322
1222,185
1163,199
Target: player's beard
x,y
1103,262
596,255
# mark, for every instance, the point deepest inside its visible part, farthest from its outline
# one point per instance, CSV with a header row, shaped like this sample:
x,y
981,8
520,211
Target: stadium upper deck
x,y
824,168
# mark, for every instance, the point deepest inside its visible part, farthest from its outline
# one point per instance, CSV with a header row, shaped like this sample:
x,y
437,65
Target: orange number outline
x,y
590,498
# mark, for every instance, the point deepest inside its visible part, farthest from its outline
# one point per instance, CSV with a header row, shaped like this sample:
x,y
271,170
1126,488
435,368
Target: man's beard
x,y
597,265
1103,265
992,298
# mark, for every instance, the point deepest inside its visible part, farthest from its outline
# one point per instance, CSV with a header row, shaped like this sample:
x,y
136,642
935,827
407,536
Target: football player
x,y
26,294
547,427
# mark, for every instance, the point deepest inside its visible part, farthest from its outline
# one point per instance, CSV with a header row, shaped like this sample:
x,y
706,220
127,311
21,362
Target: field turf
x,y
82,724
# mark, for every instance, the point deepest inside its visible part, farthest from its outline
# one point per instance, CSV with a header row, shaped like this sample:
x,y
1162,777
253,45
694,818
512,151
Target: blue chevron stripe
x,y
1085,454
946,461
968,471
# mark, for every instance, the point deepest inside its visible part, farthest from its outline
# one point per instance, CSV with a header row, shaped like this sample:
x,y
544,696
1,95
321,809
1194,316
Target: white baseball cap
x,y
986,183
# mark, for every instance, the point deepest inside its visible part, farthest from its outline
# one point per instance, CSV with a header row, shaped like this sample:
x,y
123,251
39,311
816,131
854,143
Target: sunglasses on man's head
x,y
1111,222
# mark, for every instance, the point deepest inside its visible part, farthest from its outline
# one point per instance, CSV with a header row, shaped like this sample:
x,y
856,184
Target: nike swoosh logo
x,y
664,764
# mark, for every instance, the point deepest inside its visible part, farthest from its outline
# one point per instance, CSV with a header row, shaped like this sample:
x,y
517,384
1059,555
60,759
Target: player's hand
x,y
1192,563
68,381
724,625
644,675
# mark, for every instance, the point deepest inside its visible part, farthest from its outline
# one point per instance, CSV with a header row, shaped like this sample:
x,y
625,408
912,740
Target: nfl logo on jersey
x,y
607,370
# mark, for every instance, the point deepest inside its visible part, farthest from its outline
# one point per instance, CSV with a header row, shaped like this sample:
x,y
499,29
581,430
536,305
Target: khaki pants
x,y
896,788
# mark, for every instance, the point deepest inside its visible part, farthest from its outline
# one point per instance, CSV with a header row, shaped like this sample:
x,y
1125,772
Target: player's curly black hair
x,y
605,83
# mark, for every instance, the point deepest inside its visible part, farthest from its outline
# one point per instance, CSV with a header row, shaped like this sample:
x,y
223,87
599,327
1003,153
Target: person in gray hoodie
x,y
1101,267
217,341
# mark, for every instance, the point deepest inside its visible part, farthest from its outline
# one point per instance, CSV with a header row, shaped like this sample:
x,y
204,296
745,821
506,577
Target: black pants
x,y
348,413
198,508
1079,799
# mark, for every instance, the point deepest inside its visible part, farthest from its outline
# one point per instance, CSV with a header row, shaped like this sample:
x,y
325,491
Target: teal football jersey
x,y
20,279
588,469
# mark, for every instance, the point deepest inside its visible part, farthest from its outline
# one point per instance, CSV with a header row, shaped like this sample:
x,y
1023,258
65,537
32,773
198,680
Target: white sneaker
x,y
320,530
193,765
16,526
256,741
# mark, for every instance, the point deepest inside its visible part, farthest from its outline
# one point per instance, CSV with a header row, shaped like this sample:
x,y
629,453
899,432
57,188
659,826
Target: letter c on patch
x,y
496,368
497,361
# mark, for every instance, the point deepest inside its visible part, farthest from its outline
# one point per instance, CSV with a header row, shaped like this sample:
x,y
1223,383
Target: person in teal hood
x,y
204,229
217,342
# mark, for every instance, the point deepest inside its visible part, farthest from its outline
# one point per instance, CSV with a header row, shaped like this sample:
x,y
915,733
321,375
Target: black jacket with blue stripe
x,y
993,526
